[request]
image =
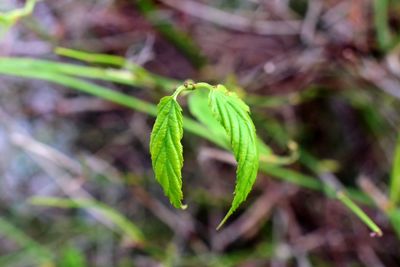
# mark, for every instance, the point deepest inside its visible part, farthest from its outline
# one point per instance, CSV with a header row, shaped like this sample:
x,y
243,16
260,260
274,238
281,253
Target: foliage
x,y
63,74
9,18
233,114
395,176
323,100
166,150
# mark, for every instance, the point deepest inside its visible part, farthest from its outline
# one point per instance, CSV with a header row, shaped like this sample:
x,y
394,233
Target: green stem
x,y
359,212
133,75
381,20
395,176
178,90
91,57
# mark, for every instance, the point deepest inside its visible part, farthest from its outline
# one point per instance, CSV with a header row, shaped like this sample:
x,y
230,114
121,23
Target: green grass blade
x,y
87,87
359,212
395,176
292,177
128,72
315,165
18,258
36,251
91,57
126,226
381,21
137,76
113,75
394,216
10,17
107,94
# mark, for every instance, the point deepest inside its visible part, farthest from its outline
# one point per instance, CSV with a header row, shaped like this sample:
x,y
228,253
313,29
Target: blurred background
x,y
79,81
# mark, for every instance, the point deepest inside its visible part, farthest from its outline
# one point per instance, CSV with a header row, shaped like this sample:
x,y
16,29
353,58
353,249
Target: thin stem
x,y
359,212
190,86
202,85
91,57
178,90
395,176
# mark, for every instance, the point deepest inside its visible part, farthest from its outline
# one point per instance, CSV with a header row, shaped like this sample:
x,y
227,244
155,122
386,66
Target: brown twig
x,y
232,21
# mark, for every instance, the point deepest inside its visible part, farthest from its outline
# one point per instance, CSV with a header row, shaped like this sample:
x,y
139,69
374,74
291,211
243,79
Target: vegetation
x,y
79,184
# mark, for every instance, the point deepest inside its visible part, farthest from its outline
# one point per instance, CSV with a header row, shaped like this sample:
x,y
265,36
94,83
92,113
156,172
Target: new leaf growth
x,y
166,149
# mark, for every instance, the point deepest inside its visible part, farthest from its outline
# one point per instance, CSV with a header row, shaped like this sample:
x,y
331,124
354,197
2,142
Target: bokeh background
x,y
322,78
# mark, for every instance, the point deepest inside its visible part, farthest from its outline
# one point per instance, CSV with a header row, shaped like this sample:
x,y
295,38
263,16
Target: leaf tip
x,y
176,203
377,233
220,225
224,219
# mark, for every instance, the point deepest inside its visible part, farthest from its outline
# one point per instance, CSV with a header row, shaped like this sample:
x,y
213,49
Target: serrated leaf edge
x,y
176,196
243,114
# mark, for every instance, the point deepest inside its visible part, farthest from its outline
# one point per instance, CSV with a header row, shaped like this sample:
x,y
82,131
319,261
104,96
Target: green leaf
x,y
234,116
395,176
166,149
198,106
72,257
